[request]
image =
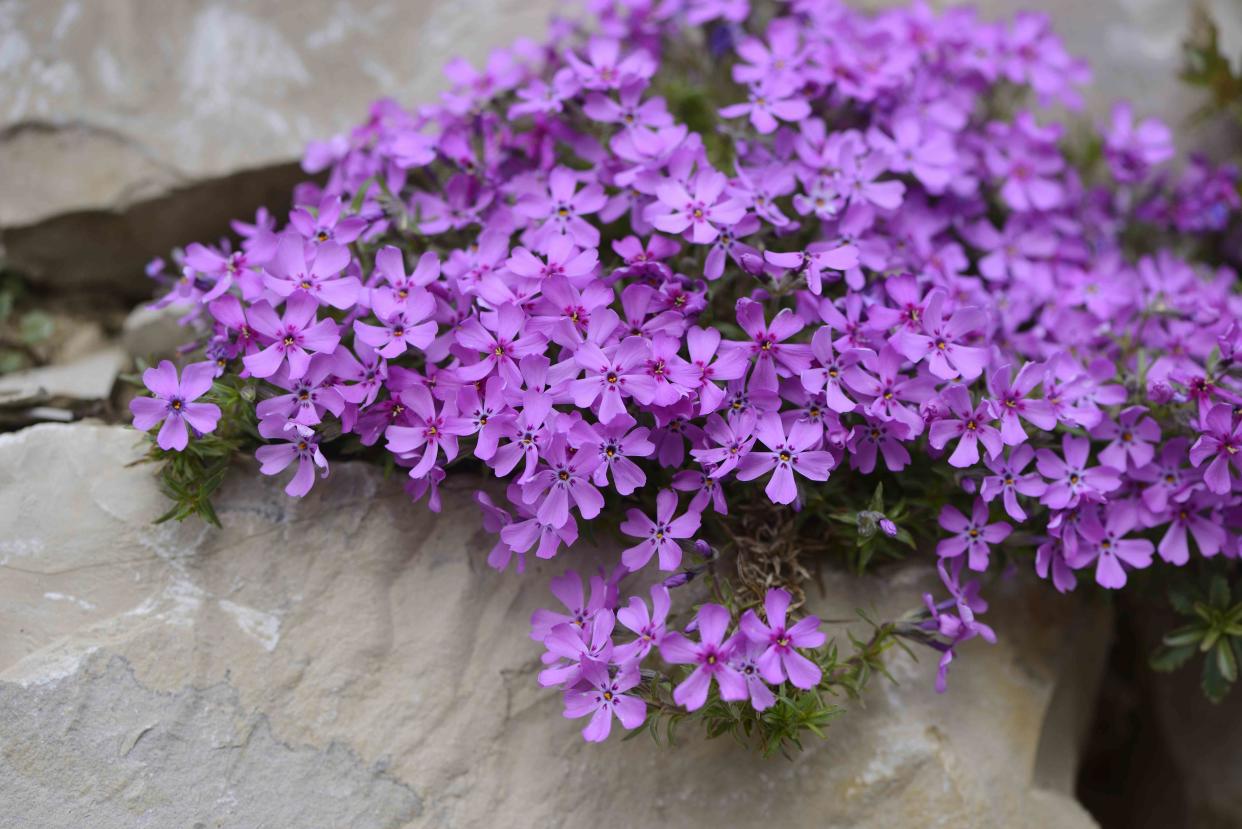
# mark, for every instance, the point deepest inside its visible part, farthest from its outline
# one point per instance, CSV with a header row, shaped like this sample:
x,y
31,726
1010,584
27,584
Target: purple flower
x,y
604,699
431,431
702,215
567,587
941,343
295,336
889,389
500,340
629,110
1130,439
293,271
649,628
298,443
1221,441
571,648
773,357
1024,157
770,99
1010,481
615,443
1133,149
562,210
565,478
612,375
1166,476
828,372
710,658
877,436
917,148
309,396
403,322
811,263
971,536
780,659
733,439
971,427
527,433
788,454
778,58
604,67
745,660
1011,401
1209,536
711,364
673,377
661,536
390,264
563,259
1070,480
174,405
1050,561
1106,545
955,618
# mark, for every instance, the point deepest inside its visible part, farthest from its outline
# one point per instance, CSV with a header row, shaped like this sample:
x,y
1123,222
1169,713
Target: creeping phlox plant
x,y
757,284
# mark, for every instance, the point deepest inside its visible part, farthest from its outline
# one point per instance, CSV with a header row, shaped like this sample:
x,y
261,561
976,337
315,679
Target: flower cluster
x,y
650,264
596,673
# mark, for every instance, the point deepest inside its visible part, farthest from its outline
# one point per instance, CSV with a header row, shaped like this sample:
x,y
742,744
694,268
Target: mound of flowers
x,y
687,277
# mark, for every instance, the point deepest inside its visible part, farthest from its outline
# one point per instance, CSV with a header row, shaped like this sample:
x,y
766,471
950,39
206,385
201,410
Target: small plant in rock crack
x,y
1214,633
742,296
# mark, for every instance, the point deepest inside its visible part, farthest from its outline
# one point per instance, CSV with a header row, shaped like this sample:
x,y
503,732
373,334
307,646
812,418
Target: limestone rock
x,y
350,660
129,127
153,333
86,378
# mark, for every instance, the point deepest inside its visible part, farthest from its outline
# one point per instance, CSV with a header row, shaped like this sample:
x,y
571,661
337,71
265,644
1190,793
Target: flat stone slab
x,y
350,660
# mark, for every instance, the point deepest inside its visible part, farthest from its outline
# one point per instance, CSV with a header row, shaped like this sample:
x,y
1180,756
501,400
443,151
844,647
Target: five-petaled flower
x,y
780,658
174,403
661,537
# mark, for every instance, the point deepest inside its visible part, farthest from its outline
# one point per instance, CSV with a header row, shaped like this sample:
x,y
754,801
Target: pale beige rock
x,y
151,333
90,377
116,117
354,636
129,127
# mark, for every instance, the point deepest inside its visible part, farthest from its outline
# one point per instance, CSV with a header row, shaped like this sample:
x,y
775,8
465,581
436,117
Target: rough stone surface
x,y
151,333
179,115
89,377
146,101
349,660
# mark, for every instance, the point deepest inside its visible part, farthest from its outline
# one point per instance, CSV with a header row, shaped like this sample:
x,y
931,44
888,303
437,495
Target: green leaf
x,y
1166,659
877,498
1215,685
1226,663
1188,635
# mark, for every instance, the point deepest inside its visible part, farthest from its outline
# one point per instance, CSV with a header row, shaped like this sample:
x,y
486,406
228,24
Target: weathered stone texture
x,y
356,646
117,117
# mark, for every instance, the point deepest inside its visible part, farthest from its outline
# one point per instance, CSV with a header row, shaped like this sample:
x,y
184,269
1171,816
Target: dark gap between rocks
x,y
1127,778
102,253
